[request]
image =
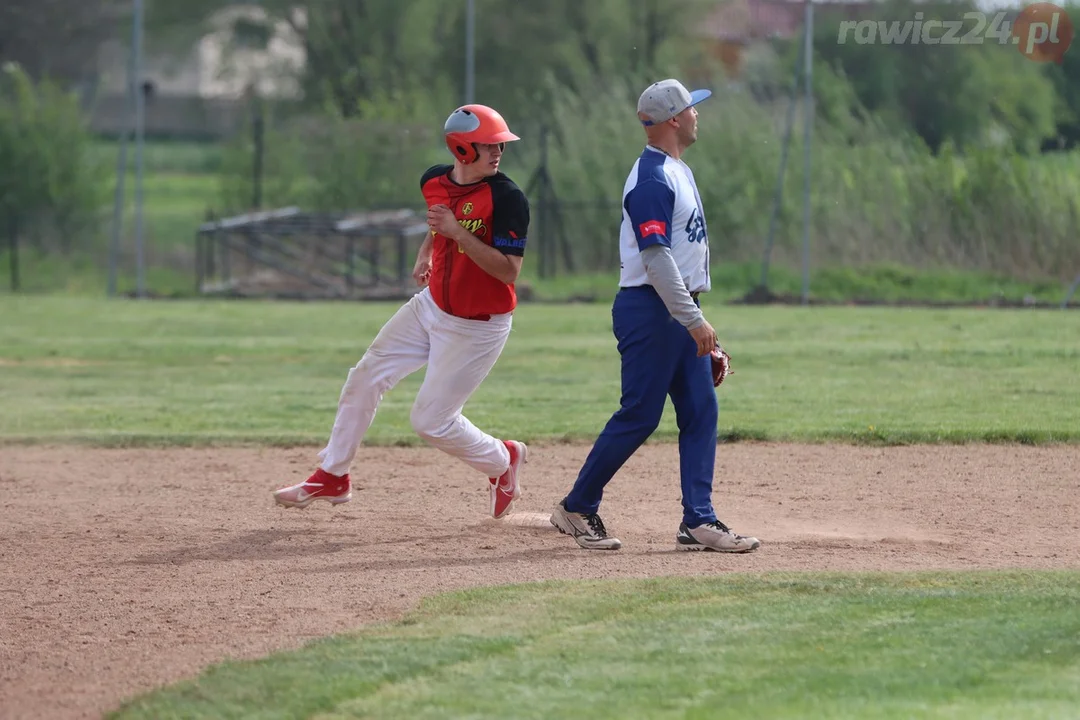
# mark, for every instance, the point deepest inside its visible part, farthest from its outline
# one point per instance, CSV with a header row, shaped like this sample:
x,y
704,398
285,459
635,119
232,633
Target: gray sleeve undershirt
x,y
664,276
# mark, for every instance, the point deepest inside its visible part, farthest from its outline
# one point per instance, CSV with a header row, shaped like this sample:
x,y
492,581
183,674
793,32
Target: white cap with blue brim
x,y
663,100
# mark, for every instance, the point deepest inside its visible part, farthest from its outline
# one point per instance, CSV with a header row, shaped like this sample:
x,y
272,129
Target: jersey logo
x,y
652,227
510,242
695,228
476,226
466,209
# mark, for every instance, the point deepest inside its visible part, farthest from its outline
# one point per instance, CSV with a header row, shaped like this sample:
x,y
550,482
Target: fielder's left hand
x,y
721,366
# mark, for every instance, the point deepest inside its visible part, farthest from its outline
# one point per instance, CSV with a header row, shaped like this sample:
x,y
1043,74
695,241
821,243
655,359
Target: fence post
x,y
547,256
199,262
224,239
779,191
350,262
538,189
118,215
402,260
808,123
211,248
13,237
259,132
374,258
140,132
1069,294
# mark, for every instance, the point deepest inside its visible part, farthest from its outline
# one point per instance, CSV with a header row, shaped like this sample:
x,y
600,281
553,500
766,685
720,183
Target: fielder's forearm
x,y
494,263
664,276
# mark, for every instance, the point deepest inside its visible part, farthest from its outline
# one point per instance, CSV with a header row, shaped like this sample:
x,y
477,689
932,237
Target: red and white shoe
x,y
506,489
320,486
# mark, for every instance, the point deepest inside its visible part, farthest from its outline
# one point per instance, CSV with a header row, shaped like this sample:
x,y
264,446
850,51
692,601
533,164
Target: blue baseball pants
x,y
659,358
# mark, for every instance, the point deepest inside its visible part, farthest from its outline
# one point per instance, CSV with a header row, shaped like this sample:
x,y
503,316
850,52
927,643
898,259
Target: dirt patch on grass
x,y
126,569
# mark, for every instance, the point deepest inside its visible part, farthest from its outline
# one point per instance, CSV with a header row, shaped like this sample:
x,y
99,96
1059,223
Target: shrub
x,y
52,191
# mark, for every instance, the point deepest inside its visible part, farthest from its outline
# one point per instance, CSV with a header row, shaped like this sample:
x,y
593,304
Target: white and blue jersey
x,y
662,206
659,358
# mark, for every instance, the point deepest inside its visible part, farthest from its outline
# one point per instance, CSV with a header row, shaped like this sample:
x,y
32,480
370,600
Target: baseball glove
x,y
721,366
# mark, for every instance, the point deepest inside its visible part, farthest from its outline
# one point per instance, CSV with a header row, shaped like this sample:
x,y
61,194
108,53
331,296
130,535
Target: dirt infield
x,y
126,569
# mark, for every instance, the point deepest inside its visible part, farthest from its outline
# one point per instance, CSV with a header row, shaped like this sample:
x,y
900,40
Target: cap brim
x,y
698,95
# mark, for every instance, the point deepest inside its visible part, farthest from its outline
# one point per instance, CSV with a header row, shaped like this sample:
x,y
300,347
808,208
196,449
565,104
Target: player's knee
x,y
369,371
430,426
643,418
649,424
702,413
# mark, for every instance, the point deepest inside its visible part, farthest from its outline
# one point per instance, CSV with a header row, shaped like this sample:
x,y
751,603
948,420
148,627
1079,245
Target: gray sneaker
x,y
715,536
588,530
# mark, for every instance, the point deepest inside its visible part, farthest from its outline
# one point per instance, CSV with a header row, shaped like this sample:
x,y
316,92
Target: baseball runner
x,y
666,344
457,324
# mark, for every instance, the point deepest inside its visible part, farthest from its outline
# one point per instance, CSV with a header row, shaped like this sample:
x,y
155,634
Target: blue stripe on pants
x,y
659,358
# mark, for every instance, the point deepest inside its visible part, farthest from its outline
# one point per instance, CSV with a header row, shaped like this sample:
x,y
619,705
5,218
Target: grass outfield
x,y
973,645
127,373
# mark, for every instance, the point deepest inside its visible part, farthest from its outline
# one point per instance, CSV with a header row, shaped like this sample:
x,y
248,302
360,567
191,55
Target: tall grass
x,y
875,198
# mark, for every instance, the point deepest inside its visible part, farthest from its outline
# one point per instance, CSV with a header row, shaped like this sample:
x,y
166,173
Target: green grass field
x,y
129,372
976,645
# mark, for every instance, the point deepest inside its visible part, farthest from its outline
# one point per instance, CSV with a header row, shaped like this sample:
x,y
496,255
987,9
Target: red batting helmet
x,y
472,124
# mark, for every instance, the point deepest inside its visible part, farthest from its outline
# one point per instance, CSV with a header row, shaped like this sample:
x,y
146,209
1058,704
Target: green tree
x,y
1066,81
364,51
966,94
50,190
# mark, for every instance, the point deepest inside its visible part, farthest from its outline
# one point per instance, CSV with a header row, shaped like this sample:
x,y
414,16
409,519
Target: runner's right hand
x,y
422,271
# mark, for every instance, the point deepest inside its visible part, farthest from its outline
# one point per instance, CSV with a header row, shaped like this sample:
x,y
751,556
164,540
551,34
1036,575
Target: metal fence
x,y
287,253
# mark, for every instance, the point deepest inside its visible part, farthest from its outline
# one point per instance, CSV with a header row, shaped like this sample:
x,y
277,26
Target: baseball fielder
x,y
665,342
457,324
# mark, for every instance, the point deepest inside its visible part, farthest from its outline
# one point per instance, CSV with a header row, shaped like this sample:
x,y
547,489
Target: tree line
x,y
364,54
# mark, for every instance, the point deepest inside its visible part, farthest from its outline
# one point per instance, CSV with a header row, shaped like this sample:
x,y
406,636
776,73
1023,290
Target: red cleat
x,y
320,486
506,489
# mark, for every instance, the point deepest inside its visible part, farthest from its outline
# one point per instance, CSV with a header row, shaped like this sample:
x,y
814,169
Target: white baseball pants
x,y
459,355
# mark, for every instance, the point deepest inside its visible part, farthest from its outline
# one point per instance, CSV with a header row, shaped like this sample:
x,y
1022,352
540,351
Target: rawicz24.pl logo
x,y
1042,31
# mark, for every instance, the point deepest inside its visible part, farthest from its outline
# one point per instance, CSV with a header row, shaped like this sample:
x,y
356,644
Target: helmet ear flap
x,y
465,152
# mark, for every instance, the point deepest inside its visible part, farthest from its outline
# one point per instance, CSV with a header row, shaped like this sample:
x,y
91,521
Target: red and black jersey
x,y
494,210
